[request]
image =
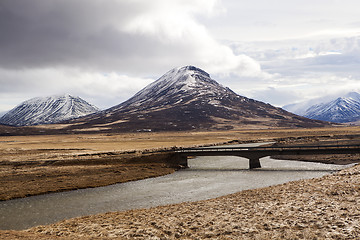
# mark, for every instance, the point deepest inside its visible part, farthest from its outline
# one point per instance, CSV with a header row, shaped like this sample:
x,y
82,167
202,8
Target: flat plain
x,y
31,165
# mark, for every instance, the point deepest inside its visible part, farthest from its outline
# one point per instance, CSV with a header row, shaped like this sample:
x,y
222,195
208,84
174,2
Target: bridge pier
x,y
255,153
180,160
254,162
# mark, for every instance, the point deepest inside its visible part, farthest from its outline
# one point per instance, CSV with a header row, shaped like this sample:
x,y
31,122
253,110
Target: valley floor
x,y
316,208
323,208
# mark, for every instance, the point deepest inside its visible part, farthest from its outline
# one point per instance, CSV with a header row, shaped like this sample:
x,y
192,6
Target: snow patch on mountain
x,y
178,85
3,113
45,110
184,99
341,109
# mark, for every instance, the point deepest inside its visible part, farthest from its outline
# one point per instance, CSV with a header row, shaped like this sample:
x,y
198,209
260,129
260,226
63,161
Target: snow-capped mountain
x,y
187,98
341,110
46,110
179,86
2,113
300,108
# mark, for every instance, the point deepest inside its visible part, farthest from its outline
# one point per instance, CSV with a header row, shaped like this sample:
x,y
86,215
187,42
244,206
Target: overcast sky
x,y
277,51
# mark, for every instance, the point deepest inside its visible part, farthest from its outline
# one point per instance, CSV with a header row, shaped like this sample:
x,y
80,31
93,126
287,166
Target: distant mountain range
x,y
187,98
183,99
343,109
47,110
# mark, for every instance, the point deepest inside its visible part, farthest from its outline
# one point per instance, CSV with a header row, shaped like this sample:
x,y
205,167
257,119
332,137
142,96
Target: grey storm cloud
x,y
126,36
107,50
85,33
42,33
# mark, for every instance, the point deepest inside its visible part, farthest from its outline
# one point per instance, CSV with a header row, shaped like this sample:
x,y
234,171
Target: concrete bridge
x,y
255,153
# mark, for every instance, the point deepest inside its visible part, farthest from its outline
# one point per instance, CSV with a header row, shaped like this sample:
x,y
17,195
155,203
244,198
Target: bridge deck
x,y
276,148
255,153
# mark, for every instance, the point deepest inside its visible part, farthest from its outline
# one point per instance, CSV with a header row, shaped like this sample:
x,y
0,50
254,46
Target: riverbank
x,y
316,208
29,178
33,165
322,208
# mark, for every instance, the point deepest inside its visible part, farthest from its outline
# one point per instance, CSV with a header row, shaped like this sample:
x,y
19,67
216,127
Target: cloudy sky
x,y
277,51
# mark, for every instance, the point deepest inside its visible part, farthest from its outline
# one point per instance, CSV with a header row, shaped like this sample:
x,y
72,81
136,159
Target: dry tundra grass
x,y
31,165
322,208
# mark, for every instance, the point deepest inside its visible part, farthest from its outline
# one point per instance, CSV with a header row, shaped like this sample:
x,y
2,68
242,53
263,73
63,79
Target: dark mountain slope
x,y
184,99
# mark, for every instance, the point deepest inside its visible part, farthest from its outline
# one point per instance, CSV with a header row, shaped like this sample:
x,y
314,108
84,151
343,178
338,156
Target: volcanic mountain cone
x,y
187,98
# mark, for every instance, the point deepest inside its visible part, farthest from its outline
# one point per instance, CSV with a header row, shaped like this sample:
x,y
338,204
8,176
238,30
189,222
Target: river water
x,y
206,177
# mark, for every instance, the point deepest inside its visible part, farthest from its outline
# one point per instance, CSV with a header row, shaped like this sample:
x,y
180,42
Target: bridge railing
x,y
259,148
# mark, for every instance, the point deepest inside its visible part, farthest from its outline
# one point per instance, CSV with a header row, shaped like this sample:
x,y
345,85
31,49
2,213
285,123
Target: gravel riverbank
x,y
321,208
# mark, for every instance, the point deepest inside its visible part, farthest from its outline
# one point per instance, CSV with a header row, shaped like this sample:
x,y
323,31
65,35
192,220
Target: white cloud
x,y
302,88
101,89
263,20
301,69
101,50
173,23
105,51
133,37
276,95
106,89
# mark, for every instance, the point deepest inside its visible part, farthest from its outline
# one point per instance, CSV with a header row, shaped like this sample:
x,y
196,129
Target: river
x,y
206,177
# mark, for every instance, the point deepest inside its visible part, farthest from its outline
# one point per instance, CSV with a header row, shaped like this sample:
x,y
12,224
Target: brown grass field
x,y
31,165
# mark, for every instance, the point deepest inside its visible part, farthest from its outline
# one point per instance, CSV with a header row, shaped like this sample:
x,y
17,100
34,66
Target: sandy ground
x,y
309,209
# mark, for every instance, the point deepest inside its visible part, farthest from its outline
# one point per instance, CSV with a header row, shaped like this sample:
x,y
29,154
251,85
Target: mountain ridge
x,y
187,98
341,109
